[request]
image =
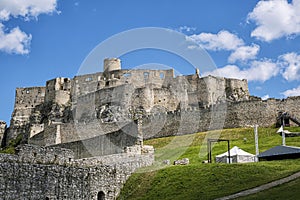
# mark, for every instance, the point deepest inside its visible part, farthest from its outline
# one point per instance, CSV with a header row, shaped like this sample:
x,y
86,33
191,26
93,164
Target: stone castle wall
x,y
108,144
3,128
53,173
224,115
100,103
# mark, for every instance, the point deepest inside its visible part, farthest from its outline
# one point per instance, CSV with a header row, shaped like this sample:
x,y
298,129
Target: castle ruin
x,y
86,134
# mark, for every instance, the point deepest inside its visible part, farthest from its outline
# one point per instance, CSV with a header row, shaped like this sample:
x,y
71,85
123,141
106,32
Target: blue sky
x,y
256,40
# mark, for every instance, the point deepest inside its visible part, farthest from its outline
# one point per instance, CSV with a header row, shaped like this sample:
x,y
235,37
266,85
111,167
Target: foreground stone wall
x,y
52,173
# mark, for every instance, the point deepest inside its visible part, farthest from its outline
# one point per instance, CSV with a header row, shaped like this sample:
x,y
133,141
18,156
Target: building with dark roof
x,y
280,152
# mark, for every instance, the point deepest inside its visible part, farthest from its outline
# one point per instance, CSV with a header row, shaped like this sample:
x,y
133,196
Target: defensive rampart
x,y
53,173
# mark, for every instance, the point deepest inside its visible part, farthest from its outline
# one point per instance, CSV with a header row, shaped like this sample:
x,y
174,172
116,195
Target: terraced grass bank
x,y
208,181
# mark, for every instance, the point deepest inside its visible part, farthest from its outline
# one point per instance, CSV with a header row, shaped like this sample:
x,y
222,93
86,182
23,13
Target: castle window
x,y
146,75
101,195
88,79
127,75
162,75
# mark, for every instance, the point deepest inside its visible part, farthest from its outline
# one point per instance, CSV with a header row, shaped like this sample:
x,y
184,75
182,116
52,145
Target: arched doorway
x,y
101,195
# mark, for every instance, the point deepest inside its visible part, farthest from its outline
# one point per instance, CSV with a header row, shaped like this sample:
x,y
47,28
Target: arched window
x,y
101,195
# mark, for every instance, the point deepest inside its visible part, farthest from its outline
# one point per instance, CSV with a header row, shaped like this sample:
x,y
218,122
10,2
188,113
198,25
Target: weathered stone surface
x,y
2,130
96,104
184,161
44,172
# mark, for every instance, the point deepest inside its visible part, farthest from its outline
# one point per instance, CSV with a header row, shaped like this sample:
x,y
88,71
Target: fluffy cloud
x,y
258,71
26,8
15,41
244,53
275,19
227,41
290,63
292,92
223,40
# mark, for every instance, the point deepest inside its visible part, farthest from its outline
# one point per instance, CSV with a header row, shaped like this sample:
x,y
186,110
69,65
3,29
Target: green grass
x,y
11,148
208,181
194,146
287,191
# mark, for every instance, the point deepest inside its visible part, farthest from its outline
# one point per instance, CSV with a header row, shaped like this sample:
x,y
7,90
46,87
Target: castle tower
x,y
58,90
112,64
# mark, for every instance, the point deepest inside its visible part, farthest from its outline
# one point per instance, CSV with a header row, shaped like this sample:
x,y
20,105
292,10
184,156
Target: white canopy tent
x,y
237,155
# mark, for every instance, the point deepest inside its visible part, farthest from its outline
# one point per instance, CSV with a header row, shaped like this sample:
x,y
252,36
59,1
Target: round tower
x,y
111,64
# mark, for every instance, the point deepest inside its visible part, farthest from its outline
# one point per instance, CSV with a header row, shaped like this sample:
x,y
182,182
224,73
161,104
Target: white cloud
x,y
26,8
275,19
15,41
291,66
223,40
265,97
258,71
244,53
292,92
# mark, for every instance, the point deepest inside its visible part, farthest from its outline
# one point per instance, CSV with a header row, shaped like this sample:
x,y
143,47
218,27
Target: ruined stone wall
x,y
110,143
237,90
224,115
26,101
52,173
29,97
84,84
3,128
58,91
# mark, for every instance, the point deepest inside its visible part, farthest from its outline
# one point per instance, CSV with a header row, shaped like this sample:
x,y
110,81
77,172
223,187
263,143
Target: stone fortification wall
x,y
29,97
58,91
52,173
95,104
224,115
85,84
3,128
26,101
110,143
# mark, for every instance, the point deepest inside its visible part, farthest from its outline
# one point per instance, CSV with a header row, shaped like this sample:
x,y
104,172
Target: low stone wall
x,y
51,173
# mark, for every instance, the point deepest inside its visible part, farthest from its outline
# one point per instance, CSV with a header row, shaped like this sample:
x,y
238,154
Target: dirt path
x,y
262,187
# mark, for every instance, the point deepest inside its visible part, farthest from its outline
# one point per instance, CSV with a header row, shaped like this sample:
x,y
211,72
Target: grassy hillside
x,y
208,181
288,191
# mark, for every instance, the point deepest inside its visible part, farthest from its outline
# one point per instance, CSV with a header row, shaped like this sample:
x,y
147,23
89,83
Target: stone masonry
x,y
69,110
53,173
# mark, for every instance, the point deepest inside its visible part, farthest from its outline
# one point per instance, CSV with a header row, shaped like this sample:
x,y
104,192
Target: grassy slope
x,y
208,181
288,191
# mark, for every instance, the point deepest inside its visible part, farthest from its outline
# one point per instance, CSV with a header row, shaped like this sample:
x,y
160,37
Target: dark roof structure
x,y
280,152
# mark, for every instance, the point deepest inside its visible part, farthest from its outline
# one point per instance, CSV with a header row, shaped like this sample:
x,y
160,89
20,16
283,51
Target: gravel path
x,y
262,187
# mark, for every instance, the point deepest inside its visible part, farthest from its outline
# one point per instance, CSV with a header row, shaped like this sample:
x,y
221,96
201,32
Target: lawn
x,y
208,181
